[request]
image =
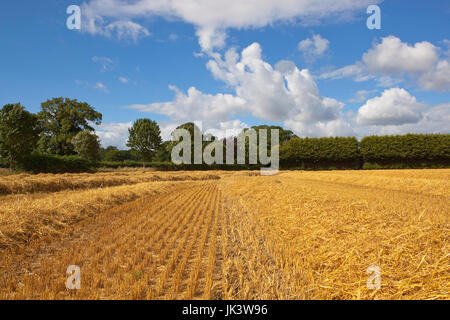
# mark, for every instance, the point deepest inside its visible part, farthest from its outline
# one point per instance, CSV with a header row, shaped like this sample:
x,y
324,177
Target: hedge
x,y
169,166
122,164
406,151
374,152
43,163
321,153
3,163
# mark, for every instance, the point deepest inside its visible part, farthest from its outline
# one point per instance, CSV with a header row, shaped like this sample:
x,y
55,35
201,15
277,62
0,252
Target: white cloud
x,y
337,127
106,63
227,129
437,78
313,47
100,86
391,60
388,81
113,134
126,30
166,129
356,71
394,107
196,106
435,119
93,21
392,56
273,94
124,80
212,18
281,94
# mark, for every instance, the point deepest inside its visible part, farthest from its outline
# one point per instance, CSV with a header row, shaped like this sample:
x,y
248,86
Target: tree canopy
x,y
145,138
87,145
18,133
60,120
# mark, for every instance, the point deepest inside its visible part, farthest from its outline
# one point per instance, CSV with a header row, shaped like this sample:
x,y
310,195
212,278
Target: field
x,y
226,235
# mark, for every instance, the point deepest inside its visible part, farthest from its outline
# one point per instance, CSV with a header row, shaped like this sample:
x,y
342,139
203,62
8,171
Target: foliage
x,y
18,133
44,163
164,152
87,145
406,151
145,138
321,153
193,129
60,120
112,153
406,147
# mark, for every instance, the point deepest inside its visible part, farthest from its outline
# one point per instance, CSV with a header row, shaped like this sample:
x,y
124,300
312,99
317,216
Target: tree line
x,y
61,138
62,131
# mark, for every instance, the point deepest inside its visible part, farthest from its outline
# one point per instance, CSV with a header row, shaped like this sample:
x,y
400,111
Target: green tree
x,y
145,139
193,129
113,154
60,120
87,145
284,137
18,133
164,152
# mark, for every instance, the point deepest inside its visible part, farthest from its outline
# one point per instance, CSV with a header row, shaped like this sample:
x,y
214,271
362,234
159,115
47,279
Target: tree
x,y
164,152
284,137
18,133
113,154
145,138
60,120
87,145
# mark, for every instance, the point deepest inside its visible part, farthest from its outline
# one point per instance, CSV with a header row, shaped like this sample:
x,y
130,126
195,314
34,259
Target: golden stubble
x,y
296,235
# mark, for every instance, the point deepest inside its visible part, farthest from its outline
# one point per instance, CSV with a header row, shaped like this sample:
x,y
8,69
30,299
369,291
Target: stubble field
x,y
226,235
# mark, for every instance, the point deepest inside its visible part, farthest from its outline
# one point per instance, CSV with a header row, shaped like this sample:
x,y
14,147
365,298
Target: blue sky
x,y
337,77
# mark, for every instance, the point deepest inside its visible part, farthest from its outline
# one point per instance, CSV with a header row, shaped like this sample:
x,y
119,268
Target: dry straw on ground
x,y
25,183
297,235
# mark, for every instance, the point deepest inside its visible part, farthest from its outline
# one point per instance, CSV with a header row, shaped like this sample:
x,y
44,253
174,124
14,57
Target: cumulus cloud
x,y
227,129
113,134
211,19
390,60
392,56
438,78
281,94
93,21
333,128
434,119
313,47
167,128
195,105
394,107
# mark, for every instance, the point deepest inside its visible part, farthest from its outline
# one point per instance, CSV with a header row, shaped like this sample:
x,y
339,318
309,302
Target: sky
x,y
311,66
